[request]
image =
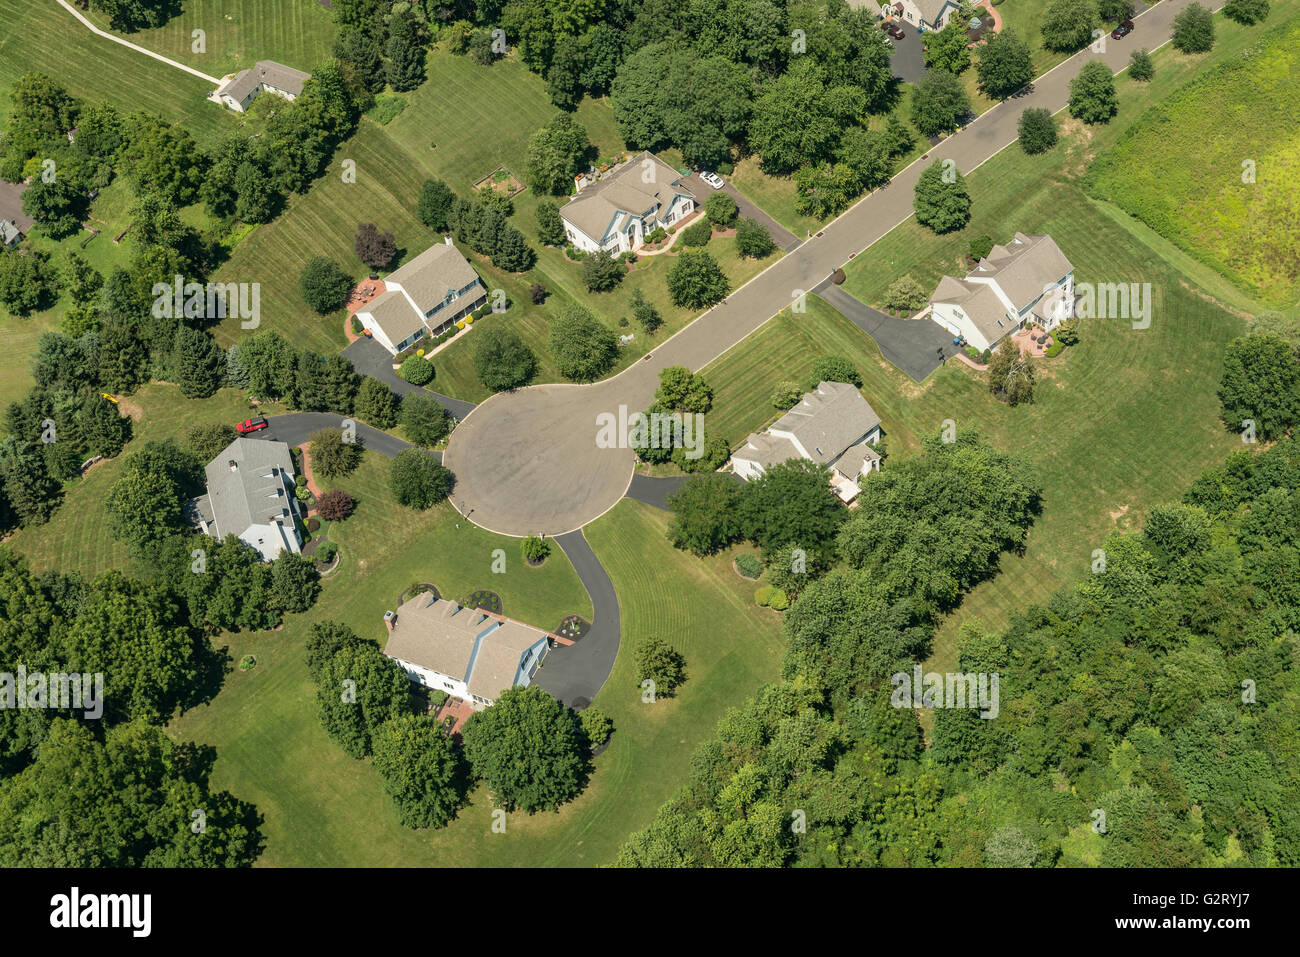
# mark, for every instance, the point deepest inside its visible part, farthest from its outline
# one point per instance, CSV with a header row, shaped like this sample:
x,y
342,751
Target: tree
x,y
834,369
939,103
422,771
596,726
58,205
1010,374
662,665
1115,11
1194,30
797,119
324,284
30,493
867,155
697,234
423,419
644,312
528,749
535,549
1247,12
28,281
331,456
564,75
1004,65
436,199
143,507
941,201
584,348
1261,383
555,154
601,272
948,49
1141,67
1037,130
358,689
406,55
335,505
374,248
1068,24
721,209
200,364
550,228
696,280
1092,93
681,390
705,514
791,502
376,404
501,359
295,583
418,480
753,240
416,369
905,293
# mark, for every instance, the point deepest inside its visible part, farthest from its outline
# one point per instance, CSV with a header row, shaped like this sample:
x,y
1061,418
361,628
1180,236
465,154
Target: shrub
x,y
749,566
417,370
313,524
1246,11
905,293
980,247
325,554
787,394
535,549
601,272
596,726
697,234
335,505
1140,66
721,209
834,369
324,284
1055,348
753,239
537,293
763,596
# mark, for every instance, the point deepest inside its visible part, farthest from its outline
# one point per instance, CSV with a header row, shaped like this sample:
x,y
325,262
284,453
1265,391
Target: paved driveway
x,y
908,59
917,346
528,461
295,428
574,673
785,239
370,358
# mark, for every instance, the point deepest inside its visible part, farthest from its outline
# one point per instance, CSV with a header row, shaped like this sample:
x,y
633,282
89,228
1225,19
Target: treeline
x,y
1146,716
533,752
80,789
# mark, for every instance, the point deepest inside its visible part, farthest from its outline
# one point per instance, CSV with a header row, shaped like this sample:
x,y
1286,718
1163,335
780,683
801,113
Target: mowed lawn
x,y
238,33
462,124
1123,421
1186,170
323,808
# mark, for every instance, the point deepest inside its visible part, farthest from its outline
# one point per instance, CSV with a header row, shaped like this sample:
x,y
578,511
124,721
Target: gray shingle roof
x,y
622,192
254,491
11,205
430,276
825,422
269,72
394,315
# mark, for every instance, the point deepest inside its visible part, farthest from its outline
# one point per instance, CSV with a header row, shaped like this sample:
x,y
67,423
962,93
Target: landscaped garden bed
x,y
573,627
501,180
415,589
483,599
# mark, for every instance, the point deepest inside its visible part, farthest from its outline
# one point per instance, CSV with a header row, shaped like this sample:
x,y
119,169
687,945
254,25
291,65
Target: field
x,y
1180,169
1121,422
323,808
478,118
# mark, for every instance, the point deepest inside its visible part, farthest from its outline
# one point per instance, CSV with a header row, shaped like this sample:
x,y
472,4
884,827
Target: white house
x,y
1027,281
925,14
466,652
617,212
832,425
424,297
237,90
251,495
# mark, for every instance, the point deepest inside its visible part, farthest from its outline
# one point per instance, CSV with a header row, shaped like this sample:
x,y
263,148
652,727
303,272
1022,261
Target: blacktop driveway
x,y
908,58
917,346
370,358
784,239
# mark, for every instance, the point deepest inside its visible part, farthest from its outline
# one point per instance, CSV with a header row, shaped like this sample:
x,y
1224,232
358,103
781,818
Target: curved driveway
x,y
527,462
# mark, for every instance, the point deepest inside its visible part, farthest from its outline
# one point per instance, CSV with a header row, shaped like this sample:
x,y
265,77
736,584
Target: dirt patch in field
x,y
127,407
1119,513
1239,313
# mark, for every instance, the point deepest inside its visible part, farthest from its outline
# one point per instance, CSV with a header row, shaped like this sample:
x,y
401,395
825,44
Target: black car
x,y
1123,30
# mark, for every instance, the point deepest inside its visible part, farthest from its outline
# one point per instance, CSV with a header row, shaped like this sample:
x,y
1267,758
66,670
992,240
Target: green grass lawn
x,y
1180,169
323,808
238,33
1121,422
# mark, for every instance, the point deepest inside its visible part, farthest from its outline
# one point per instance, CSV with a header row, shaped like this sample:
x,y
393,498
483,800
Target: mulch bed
x,y
483,599
573,627
421,586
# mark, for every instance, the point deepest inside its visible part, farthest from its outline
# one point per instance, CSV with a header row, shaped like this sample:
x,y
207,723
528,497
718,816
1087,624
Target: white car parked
x,y
713,179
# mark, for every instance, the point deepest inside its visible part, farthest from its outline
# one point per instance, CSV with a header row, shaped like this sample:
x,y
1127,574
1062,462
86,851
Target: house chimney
x,y
447,240
234,466
390,618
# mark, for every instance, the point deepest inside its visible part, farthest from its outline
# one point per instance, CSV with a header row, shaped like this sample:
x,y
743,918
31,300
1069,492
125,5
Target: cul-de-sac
x,y
650,433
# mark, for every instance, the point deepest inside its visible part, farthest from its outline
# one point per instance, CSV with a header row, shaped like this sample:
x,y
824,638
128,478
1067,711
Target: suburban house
x,y
616,213
238,90
832,425
14,223
251,495
1027,281
423,297
925,14
466,652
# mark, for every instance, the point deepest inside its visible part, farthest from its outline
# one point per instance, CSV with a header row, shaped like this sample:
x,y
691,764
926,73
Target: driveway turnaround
x,y
574,673
370,358
529,462
917,346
